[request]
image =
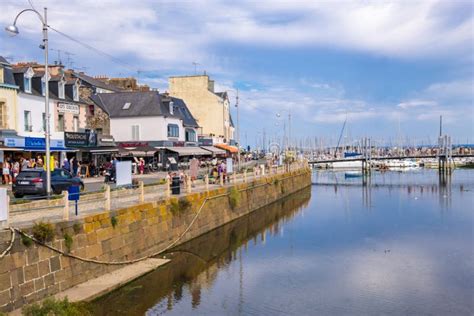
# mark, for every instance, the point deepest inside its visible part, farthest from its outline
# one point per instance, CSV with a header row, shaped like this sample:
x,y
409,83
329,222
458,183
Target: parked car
x,y
33,182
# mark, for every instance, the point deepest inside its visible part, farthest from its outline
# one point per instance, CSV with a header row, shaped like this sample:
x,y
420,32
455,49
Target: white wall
x,y
35,104
151,128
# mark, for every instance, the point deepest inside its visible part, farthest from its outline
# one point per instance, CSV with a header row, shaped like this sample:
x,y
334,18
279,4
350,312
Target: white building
x,y
148,119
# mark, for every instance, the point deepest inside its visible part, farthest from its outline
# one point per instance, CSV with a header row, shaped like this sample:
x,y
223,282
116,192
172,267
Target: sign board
x,y
14,142
80,139
123,170
40,143
68,108
3,204
73,191
229,165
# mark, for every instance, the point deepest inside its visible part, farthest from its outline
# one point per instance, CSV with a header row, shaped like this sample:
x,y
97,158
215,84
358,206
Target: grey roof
x,y
149,103
141,104
8,77
222,95
184,113
96,83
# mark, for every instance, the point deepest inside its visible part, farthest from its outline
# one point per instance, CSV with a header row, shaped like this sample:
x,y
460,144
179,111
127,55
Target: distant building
x,y
211,109
148,119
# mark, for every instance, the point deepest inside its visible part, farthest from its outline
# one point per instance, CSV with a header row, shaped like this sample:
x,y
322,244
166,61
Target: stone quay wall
x,y
29,273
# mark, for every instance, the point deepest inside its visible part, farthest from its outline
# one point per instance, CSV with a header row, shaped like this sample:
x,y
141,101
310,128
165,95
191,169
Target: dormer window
x,y
27,80
43,87
75,92
171,108
126,106
61,85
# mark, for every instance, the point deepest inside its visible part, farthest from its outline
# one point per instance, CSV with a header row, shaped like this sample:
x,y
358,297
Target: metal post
x,y
46,104
238,128
66,205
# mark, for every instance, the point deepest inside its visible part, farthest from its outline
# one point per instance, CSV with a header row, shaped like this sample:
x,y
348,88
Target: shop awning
x,y
189,151
140,151
229,148
100,150
3,148
214,150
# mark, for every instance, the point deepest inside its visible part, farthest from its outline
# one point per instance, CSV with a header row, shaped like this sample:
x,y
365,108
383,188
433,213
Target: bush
x,y
68,241
26,241
114,221
44,232
177,207
53,307
77,228
234,197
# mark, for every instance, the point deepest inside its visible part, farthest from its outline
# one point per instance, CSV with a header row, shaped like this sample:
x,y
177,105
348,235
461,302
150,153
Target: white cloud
x,y
416,103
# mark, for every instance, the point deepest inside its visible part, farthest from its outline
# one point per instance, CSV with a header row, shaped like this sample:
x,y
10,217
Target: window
x,y
75,124
190,135
173,130
91,109
43,87
3,115
126,106
44,121
61,89
75,92
61,123
171,108
135,132
27,84
27,118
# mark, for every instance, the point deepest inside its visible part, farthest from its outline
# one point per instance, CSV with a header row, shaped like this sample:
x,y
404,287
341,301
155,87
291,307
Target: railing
x,y
61,208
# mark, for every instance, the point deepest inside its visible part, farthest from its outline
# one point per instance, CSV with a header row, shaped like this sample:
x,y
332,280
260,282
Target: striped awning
x,y
189,151
231,149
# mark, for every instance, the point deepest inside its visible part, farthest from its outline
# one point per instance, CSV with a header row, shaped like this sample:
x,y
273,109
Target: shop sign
x,y
40,143
205,141
68,108
133,144
80,139
14,142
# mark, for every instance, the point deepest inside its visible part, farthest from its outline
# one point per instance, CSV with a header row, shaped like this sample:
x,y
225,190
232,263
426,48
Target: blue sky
x,y
390,67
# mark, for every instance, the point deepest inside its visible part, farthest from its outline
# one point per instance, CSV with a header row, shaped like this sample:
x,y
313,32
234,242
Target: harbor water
x,y
398,243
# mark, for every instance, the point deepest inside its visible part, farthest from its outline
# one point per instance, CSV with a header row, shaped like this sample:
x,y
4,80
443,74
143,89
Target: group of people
x,y
220,168
11,167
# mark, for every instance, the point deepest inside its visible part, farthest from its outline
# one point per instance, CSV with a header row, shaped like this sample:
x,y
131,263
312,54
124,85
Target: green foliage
x,y
177,207
114,221
174,206
184,204
26,241
68,241
44,232
234,197
53,307
77,228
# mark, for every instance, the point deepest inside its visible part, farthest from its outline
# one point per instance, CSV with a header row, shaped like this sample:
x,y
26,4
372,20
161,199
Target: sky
x,y
391,68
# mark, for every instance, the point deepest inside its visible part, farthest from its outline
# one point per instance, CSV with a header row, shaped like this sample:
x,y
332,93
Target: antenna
x,y
195,67
59,54
440,125
69,59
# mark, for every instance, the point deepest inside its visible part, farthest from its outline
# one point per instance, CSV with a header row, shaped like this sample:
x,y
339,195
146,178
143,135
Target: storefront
x,y
90,148
33,147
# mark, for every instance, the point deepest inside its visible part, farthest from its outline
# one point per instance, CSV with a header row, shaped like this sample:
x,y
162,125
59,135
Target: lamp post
x,y
13,30
238,123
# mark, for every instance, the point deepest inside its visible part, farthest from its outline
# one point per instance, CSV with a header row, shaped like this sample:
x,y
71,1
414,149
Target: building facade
x,y
211,109
148,118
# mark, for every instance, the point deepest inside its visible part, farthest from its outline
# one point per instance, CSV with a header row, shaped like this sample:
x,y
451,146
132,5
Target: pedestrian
x,y
74,166
15,169
6,172
141,166
24,163
39,162
66,165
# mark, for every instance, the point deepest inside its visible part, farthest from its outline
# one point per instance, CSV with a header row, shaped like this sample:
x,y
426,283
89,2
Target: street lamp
x,y
238,123
13,30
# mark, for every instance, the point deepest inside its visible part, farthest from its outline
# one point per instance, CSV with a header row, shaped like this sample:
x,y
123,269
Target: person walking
x,y
6,172
15,169
66,165
74,166
141,166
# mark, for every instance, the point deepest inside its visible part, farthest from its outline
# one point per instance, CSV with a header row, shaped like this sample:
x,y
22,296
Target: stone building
x,y
211,109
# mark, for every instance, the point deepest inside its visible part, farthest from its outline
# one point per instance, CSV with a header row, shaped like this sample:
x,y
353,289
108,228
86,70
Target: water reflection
x,y
195,264
395,243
